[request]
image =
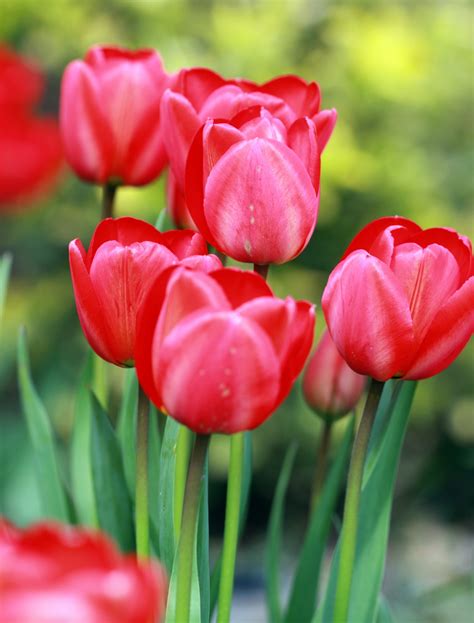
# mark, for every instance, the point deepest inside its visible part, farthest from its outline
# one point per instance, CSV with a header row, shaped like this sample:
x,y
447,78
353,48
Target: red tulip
x,y
58,574
202,94
218,351
113,277
330,386
110,115
21,82
252,186
401,301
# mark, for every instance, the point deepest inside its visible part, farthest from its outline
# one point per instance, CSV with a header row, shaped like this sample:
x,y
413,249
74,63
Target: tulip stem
x,y
141,482
321,463
231,528
188,528
183,449
261,269
108,200
351,503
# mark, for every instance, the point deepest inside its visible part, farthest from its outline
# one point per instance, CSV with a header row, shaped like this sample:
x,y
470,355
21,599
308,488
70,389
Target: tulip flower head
x,y
200,94
217,350
52,573
113,277
400,303
330,387
110,115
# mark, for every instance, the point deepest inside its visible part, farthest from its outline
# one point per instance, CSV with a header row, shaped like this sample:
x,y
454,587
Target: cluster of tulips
x,y
214,349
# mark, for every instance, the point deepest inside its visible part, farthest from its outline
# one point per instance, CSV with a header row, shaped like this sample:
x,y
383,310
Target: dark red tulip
x,y
401,301
113,277
58,574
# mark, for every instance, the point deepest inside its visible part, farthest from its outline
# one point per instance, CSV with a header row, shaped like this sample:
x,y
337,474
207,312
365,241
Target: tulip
x,y
113,277
200,94
110,116
330,386
53,573
400,303
252,186
21,82
217,350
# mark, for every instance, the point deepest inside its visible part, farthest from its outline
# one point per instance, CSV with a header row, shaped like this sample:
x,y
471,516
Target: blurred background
x,y
401,77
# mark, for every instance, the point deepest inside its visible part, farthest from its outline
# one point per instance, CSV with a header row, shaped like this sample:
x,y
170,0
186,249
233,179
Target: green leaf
x,y
114,508
167,545
202,546
164,222
374,520
5,266
195,605
273,545
384,612
80,456
53,495
154,449
126,427
306,579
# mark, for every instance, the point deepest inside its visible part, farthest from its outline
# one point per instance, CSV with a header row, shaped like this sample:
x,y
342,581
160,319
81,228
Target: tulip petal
x,y
368,316
227,382
179,123
184,243
125,230
325,122
448,334
302,139
241,286
203,263
460,246
303,98
121,276
89,309
197,83
217,138
176,204
259,204
429,277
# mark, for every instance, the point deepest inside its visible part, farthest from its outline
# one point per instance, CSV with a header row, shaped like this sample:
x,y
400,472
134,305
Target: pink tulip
x,y
200,94
110,115
218,351
401,301
252,186
330,387
113,277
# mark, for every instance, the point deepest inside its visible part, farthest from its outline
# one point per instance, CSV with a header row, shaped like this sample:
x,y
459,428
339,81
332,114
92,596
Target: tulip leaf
x,y
306,579
274,536
374,521
164,221
202,546
195,605
81,467
384,612
5,266
167,545
154,449
126,427
52,492
114,508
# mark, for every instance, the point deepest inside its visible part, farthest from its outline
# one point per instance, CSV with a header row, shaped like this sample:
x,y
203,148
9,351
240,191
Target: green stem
x,y
231,529
351,504
188,528
183,449
141,482
321,463
261,269
108,199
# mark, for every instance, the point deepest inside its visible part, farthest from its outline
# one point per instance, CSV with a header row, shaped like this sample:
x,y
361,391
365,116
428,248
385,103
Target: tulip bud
x,y
400,303
113,277
52,573
110,116
330,387
218,351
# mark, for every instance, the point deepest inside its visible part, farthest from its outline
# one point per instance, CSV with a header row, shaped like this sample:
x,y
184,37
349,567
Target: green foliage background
x,y
401,78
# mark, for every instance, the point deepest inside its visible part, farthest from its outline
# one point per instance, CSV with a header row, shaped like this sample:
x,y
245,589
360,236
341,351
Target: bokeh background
x,y
401,77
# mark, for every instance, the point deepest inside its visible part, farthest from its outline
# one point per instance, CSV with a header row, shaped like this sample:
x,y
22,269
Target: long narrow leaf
x,y
154,449
114,508
374,521
126,427
52,492
195,606
81,467
202,547
306,579
273,545
5,267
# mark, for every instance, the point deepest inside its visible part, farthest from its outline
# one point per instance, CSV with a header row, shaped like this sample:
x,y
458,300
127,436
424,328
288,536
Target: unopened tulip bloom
x,y
401,301
217,350
252,186
113,277
58,574
110,115
330,387
199,94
